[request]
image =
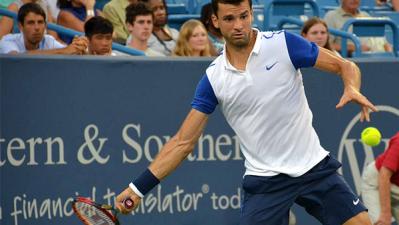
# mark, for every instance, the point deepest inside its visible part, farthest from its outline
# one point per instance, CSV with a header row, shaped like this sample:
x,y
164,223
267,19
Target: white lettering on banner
x,y
48,208
177,201
19,152
16,153
94,152
222,147
223,202
2,162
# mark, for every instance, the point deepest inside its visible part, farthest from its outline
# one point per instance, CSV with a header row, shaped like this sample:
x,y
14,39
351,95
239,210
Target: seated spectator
x,y
214,34
98,31
350,9
7,23
115,12
193,40
139,21
33,40
316,30
163,38
393,3
74,13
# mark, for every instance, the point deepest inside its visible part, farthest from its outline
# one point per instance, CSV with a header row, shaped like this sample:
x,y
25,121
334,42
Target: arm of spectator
x,y
380,2
350,47
77,47
67,19
119,26
384,189
388,47
7,23
395,5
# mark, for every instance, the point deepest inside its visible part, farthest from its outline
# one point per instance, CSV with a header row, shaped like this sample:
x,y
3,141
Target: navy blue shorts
x,y
321,191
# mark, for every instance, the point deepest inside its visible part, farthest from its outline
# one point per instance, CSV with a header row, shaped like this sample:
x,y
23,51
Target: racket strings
x,y
92,215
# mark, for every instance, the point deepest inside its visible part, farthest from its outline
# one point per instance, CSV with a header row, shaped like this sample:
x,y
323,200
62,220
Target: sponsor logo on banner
x,y
358,155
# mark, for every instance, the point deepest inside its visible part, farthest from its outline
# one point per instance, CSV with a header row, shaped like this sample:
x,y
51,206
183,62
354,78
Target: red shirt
x,y
390,159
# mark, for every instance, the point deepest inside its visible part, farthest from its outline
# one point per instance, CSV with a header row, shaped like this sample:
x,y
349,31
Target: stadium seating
x,y
371,27
275,10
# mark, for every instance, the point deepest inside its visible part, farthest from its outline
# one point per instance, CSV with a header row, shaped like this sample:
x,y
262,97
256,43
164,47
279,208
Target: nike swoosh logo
x,y
355,202
271,66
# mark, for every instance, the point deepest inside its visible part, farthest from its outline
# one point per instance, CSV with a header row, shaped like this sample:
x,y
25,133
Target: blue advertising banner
x,y
87,126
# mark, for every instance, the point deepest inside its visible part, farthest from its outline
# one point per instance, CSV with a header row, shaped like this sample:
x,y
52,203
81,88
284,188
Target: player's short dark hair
x,y
98,25
231,2
30,8
137,9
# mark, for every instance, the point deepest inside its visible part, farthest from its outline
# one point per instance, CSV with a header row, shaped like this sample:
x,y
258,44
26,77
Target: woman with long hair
x,y
316,30
193,40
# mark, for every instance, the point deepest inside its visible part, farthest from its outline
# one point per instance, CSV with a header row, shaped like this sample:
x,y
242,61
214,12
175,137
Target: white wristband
x,y
90,12
135,190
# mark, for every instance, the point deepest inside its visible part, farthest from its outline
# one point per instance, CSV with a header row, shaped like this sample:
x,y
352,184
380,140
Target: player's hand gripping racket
x,y
91,213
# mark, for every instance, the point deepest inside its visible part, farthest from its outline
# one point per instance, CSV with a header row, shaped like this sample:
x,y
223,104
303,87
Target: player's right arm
x,y
172,153
176,149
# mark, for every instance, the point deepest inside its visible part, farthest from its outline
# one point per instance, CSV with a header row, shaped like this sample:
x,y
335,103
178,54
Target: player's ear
x,y
215,21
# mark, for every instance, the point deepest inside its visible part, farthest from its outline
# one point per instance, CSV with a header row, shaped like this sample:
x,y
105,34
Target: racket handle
x,y
128,203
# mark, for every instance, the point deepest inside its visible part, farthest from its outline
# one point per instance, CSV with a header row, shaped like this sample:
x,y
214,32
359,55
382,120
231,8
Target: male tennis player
x,y
258,85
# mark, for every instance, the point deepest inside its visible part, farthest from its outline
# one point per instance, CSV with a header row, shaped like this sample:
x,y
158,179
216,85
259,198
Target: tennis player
x,y
258,85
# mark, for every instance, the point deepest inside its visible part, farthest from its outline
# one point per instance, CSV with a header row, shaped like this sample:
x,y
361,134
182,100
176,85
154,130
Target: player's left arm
x,y
351,77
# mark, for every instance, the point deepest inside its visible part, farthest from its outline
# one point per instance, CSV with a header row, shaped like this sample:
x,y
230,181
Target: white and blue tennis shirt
x,y
266,104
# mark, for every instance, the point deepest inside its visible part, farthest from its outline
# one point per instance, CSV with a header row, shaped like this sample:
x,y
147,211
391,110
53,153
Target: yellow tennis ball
x,y
371,136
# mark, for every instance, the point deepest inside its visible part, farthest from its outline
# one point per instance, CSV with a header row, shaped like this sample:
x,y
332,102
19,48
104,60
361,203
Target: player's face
x,y
33,28
159,10
235,23
101,44
142,27
198,39
318,34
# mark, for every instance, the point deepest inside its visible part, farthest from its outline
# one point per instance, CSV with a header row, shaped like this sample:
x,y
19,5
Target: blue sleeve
x,y
204,100
302,52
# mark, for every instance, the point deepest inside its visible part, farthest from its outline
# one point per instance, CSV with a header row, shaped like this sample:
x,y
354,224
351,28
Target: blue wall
x,y
87,126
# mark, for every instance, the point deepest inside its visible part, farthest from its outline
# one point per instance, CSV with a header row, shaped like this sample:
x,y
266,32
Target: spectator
x,y
393,3
98,31
7,23
33,40
380,186
193,40
350,9
139,21
115,12
163,38
214,34
316,30
74,13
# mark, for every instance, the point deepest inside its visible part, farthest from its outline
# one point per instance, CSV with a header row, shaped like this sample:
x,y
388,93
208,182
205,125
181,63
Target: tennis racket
x,y
91,213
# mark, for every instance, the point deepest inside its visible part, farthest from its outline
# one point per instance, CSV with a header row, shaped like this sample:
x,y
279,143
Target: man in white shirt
x,y
33,40
258,85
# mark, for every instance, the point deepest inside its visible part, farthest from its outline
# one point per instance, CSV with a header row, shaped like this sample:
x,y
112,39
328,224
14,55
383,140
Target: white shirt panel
x,y
267,108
